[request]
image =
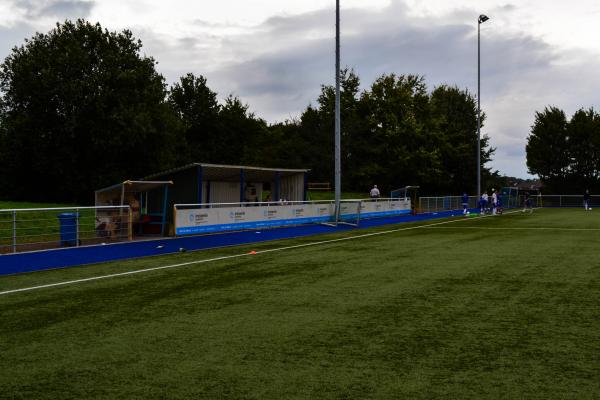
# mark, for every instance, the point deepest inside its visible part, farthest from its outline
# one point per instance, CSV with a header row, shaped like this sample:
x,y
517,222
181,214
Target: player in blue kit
x,y
465,203
499,203
586,200
528,203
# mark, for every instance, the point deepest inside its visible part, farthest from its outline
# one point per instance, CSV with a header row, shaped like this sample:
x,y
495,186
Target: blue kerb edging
x,y
68,257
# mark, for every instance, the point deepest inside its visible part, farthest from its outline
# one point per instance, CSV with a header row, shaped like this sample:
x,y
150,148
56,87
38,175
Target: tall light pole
x,y
482,18
338,163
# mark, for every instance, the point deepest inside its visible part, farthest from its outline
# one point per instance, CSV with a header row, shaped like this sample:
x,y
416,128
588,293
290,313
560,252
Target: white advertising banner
x,y
206,220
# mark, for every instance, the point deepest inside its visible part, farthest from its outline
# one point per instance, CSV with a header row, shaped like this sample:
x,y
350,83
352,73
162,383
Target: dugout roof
x,y
231,173
132,187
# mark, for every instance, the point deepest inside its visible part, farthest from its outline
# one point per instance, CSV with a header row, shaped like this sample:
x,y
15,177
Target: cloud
x,y
521,73
66,9
277,66
34,13
11,37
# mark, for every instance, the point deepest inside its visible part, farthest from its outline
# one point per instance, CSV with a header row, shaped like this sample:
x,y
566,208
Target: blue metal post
x,y
77,227
276,197
242,178
14,246
208,193
140,231
199,177
164,216
305,197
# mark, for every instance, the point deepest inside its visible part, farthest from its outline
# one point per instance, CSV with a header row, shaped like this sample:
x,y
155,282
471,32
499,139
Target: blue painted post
x,y
199,177
164,216
208,193
277,186
77,227
140,231
305,197
14,246
242,178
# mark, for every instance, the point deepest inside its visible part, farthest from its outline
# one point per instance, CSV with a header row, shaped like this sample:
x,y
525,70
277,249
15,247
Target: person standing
x,y
374,192
586,200
465,203
494,201
484,202
499,204
528,203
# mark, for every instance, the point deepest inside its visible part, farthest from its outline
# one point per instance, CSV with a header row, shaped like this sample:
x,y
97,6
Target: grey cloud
x,y
60,9
278,66
444,54
13,37
68,9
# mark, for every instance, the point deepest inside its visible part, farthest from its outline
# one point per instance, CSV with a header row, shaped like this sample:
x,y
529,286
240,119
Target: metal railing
x,y
213,217
444,203
570,200
251,204
277,203
449,203
30,229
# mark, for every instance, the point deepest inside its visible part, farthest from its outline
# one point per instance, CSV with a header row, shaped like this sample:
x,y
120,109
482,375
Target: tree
x,y
454,112
393,134
198,110
583,131
239,133
400,140
548,147
321,144
81,109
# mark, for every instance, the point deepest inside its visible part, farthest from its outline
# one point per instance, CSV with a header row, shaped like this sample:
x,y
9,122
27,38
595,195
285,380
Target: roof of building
x,y
134,186
231,173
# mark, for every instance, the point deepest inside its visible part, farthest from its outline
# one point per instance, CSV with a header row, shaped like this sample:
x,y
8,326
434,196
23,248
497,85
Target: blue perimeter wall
x,y
72,256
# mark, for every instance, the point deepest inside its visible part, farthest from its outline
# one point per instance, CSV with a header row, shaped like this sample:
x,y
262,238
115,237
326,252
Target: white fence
x,y
448,203
572,200
32,229
444,203
207,218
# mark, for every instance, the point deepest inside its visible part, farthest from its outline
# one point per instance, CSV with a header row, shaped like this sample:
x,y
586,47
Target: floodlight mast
x,y
338,167
482,18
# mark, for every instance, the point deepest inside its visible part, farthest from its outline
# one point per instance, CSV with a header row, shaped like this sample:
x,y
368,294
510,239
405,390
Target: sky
x,y
276,54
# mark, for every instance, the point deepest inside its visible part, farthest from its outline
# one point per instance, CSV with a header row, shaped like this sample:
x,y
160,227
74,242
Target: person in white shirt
x,y
375,192
484,203
494,201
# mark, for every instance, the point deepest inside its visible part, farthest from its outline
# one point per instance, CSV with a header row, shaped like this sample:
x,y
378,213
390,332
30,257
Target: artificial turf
x,y
479,308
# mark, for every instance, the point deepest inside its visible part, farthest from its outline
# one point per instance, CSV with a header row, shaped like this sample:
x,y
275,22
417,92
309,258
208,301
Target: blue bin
x,y
68,228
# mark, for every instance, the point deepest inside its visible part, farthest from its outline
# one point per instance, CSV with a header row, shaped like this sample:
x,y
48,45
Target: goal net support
x,y
348,213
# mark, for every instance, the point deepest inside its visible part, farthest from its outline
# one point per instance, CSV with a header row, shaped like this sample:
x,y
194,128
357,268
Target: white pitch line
x,y
539,228
96,278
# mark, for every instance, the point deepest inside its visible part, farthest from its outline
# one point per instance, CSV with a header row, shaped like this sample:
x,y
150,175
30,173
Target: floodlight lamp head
x,y
483,18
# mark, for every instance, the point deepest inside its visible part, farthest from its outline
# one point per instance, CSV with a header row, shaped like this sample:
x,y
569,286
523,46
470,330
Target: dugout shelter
x,y
206,184
200,183
147,217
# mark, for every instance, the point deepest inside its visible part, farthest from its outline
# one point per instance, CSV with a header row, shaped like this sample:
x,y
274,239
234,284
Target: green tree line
x,y
82,108
565,153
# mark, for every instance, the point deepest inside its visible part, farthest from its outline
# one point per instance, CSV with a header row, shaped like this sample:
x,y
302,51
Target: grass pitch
x,y
498,307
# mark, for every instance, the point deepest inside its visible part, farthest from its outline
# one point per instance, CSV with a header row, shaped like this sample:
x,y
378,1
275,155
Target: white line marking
x,y
95,278
539,228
